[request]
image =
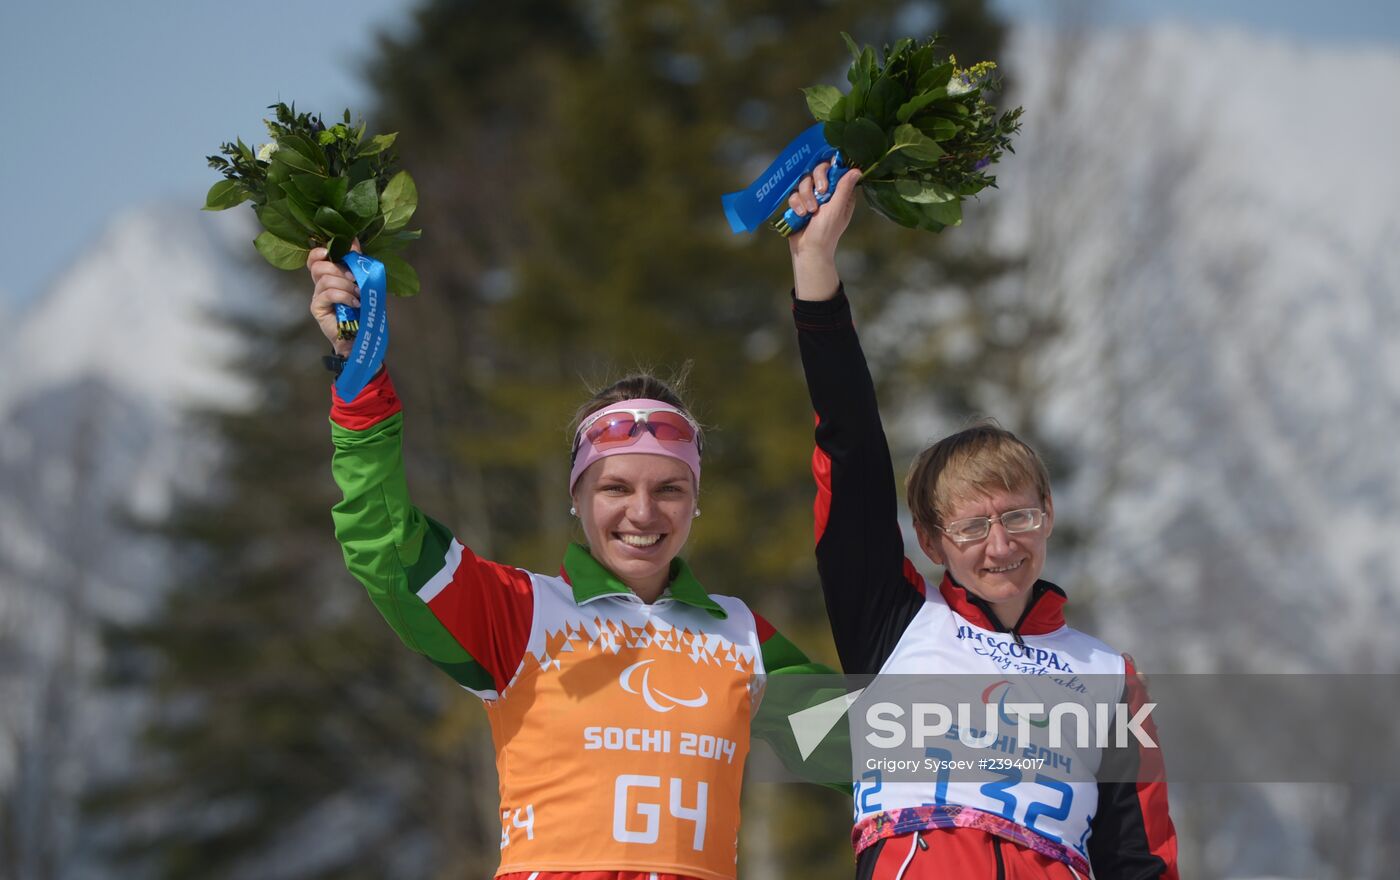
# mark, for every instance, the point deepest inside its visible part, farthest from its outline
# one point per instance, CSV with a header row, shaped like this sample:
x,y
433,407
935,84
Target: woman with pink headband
x,y
619,691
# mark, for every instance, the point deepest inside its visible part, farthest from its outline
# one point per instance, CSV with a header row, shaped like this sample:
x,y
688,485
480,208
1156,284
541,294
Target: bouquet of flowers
x,y
919,127
314,185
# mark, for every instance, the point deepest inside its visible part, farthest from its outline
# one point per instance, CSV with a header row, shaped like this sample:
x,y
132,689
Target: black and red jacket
x,y
884,620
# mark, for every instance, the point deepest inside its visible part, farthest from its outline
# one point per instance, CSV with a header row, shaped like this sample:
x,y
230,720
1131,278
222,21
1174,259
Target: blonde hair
x,y
977,461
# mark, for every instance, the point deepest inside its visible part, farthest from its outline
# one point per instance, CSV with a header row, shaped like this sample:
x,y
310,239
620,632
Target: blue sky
x,y
107,106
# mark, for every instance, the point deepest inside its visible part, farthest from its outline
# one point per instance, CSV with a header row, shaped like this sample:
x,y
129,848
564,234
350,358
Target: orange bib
x,y
620,743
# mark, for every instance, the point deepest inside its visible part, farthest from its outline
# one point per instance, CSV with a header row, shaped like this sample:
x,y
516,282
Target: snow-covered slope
x,y
137,308
94,428
1214,217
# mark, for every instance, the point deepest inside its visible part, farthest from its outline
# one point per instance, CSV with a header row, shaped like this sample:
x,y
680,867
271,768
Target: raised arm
x,y
872,592
469,616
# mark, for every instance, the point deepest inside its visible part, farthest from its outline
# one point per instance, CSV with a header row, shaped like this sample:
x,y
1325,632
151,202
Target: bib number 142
x,y
643,796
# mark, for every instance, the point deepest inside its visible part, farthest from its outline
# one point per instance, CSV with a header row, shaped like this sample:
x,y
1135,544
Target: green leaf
x,y
855,99
278,172
362,202
403,280
855,55
916,144
835,134
378,144
884,200
865,143
331,221
867,62
936,216
275,218
308,190
821,100
884,100
359,171
936,78
399,201
325,138
302,154
335,191
279,253
914,105
338,246
393,242
370,233
937,127
224,195
920,63
924,192
303,216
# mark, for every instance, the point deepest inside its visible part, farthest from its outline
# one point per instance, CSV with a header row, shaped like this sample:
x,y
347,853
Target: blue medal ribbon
x,y
373,336
749,208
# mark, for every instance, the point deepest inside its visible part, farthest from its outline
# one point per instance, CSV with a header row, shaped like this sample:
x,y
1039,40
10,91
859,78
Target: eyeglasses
x,y
612,428
975,528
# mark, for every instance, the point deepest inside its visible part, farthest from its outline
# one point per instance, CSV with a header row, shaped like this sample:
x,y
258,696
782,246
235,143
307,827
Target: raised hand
x,y
814,248
333,284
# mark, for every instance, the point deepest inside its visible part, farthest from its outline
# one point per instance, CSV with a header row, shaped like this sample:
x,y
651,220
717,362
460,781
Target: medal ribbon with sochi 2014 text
x,y
748,208
373,336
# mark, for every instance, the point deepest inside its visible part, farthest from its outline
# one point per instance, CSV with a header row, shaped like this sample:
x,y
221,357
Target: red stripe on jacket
x,y
488,608
821,507
1152,781
373,405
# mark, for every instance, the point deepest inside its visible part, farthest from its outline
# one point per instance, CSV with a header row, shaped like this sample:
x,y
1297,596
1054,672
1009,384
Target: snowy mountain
x,y
93,429
1222,253
136,309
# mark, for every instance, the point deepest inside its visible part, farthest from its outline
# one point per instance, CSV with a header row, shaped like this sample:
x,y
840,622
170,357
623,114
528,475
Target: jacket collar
x,y
1044,614
590,581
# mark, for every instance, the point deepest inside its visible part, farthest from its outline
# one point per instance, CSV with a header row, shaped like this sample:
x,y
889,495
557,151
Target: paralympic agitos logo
x,y
1043,721
657,699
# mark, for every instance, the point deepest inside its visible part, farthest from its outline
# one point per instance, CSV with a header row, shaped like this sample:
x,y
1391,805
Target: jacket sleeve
x,y
1132,835
469,616
827,761
872,592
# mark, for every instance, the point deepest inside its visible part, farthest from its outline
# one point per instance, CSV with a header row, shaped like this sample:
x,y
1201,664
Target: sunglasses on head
x,y
613,428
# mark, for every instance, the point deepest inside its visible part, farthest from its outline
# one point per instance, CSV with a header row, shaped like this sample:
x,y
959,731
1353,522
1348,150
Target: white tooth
x,y
640,540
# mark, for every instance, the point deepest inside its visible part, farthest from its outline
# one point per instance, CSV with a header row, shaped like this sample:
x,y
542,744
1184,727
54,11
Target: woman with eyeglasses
x,y
982,510
619,690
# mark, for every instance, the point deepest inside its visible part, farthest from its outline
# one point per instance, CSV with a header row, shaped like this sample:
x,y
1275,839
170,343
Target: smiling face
x,y
1001,568
636,511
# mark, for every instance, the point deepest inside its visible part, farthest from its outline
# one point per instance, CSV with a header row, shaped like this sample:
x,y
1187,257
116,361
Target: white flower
x,y
266,150
959,85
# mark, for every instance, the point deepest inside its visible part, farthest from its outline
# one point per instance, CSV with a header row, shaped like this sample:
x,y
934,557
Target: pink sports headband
x,y
646,442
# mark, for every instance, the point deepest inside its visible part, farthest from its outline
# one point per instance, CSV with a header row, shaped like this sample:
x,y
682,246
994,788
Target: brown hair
x,y
976,461
642,384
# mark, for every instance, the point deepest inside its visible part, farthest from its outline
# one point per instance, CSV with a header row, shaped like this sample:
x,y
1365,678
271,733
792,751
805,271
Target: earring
x,y
573,511
697,512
